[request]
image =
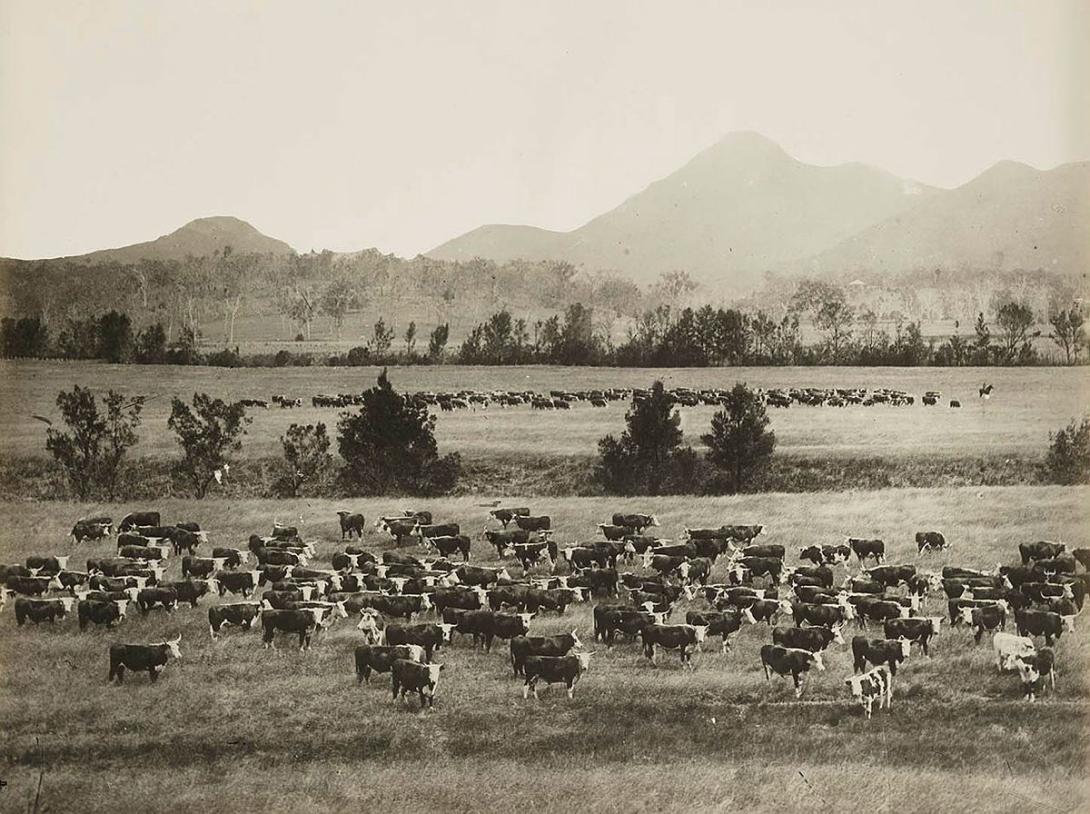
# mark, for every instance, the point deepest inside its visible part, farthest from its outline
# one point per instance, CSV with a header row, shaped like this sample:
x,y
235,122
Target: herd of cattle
x,y
565,399
637,580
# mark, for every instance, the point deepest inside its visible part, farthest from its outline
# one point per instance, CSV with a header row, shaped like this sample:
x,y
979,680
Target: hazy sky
x,y
401,125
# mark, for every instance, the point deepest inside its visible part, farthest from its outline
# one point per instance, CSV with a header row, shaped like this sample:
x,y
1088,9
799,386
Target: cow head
x,y
122,606
652,520
482,594
503,575
62,562
683,570
368,622
425,603
55,583
936,623
525,617
415,651
699,632
837,633
648,555
338,611
67,603
1069,623
747,614
132,593
209,586
173,646
575,638
433,675
584,660
445,630
856,685
399,583
965,615
817,661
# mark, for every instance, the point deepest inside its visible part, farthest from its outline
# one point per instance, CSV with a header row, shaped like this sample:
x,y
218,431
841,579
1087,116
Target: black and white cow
x,y
241,614
673,637
41,610
930,541
889,652
141,657
873,685
379,658
789,661
409,676
522,647
565,670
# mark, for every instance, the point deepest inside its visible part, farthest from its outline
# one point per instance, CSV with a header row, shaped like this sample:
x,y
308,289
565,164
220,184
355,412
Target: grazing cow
x,y
32,586
523,647
472,575
890,652
148,598
459,597
1040,551
351,524
638,522
302,623
718,623
1044,661
131,521
237,582
140,657
429,636
597,581
986,617
381,658
91,611
826,554
814,639
890,576
532,523
241,614
930,541
788,661
90,529
822,615
232,557
486,625
762,610
71,580
449,545
146,553
772,567
583,557
1008,648
867,548
201,566
46,566
556,599
503,540
610,620
185,540
554,670
878,610
876,684
1044,592
402,606
191,590
777,552
914,629
1082,557
506,515
409,676
1039,623
530,554
41,610
672,637
821,574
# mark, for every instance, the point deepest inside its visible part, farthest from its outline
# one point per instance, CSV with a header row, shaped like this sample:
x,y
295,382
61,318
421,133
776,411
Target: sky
x,y
402,125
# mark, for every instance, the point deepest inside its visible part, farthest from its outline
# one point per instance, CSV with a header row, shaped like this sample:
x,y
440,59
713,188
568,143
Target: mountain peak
x,y
742,146
200,237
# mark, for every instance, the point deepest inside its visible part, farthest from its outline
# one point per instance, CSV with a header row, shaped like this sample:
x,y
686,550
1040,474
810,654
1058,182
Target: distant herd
x,y
721,577
566,399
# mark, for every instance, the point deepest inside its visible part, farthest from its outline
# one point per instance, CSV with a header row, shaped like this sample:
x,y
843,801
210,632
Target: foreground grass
x,y
235,726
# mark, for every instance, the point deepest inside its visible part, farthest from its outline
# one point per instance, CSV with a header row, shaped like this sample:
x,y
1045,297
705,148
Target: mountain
x,y
1011,216
737,209
744,206
199,237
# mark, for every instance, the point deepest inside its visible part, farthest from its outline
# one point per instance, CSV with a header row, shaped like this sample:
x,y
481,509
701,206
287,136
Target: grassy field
x,y
1026,405
233,726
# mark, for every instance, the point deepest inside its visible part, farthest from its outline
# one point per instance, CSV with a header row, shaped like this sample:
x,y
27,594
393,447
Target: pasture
x,y
233,726
1026,405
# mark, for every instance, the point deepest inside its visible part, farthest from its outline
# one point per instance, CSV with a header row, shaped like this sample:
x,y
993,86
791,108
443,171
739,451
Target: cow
x,y
503,540
1043,592
556,599
134,519
409,676
914,629
46,566
1039,623
715,623
41,610
506,515
596,581
429,636
789,661
878,610
822,615
889,652
530,554
90,529
822,575
1007,648
97,612
1040,551
532,523
672,637
815,639
930,541
201,566
32,586
583,557
139,657
554,670
472,575
986,617
762,610
1044,661
610,620
1030,677
71,580
523,647
777,552
890,576
402,606
185,540
148,598
876,684
772,567
459,597
351,524
449,545
191,590
825,554
232,557
486,625
426,531
863,549
241,614
302,623
380,658
637,522
237,582
1082,557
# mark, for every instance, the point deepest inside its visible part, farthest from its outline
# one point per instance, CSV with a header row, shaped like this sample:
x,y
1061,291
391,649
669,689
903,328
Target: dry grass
x,y
1027,404
239,728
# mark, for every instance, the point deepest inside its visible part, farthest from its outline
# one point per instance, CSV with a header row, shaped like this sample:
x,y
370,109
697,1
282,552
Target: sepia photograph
x,y
597,406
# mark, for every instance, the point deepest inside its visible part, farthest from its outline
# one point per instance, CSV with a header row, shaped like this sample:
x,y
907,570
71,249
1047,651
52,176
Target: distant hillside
x,y
735,210
1009,217
199,238
744,206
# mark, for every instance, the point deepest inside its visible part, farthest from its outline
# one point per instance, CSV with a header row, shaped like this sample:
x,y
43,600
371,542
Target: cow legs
x,y
798,684
153,674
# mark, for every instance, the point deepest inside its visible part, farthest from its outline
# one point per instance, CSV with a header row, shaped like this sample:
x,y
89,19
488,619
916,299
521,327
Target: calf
x,y
523,647
41,610
139,657
89,530
380,658
351,524
788,661
241,614
554,670
876,684
987,617
672,637
889,652
408,676
930,541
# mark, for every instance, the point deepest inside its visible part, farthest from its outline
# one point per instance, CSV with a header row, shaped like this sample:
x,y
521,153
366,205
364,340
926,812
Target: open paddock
x,y
1026,404
235,726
